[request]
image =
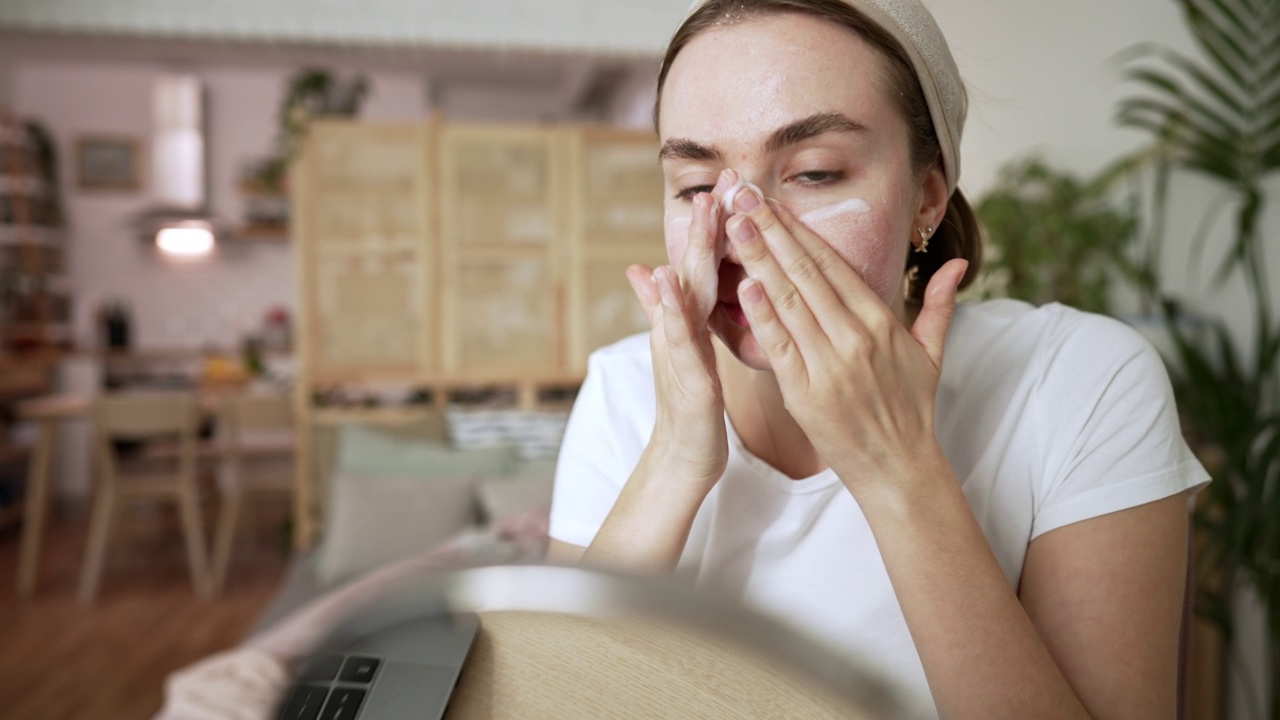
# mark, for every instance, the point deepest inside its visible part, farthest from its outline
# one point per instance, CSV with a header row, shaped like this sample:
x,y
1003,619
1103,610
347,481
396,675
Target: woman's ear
x,y
933,197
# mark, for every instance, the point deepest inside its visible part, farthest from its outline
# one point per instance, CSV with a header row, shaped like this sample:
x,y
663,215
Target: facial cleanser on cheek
x,y
855,233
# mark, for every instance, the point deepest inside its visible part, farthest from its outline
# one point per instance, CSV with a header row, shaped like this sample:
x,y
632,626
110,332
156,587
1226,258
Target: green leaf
x,y
1231,58
1232,16
1205,81
1211,215
1221,126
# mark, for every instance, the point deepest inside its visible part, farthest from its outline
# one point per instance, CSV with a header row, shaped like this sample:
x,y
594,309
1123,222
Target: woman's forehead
x,y
741,81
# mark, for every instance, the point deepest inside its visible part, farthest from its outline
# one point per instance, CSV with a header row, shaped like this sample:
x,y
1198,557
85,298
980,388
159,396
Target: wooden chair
x,y
253,430
145,416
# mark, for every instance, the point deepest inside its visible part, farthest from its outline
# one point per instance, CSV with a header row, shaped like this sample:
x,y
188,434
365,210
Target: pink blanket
x,y
247,682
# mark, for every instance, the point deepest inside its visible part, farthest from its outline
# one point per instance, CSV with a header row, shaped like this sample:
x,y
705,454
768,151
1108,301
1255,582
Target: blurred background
x,y
414,216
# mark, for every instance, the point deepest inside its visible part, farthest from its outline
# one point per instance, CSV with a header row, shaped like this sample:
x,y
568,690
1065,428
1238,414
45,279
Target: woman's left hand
x,y
860,384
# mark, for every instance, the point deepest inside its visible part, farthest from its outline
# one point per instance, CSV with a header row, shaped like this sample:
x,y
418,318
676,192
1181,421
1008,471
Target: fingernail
x,y
742,231
751,291
747,199
728,178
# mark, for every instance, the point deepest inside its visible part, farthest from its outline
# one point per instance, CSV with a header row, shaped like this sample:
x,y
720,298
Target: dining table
x,y
47,412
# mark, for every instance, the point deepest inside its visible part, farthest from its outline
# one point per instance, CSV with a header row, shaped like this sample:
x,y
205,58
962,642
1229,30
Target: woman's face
x,y
800,107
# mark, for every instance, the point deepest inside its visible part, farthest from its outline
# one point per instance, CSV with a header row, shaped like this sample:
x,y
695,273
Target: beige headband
x,y
911,24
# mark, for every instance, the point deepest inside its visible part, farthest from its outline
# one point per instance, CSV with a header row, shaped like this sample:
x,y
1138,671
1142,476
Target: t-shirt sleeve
x,y
589,472
1112,438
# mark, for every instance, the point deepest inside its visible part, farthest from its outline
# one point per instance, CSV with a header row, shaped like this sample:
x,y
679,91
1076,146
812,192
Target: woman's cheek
x,y
677,236
863,237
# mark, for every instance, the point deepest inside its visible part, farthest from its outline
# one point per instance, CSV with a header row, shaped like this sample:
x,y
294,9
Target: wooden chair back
x,y
147,416
257,412
143,415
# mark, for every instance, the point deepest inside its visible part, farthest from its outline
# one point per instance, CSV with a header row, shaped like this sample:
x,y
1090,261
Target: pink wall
x,y
175,305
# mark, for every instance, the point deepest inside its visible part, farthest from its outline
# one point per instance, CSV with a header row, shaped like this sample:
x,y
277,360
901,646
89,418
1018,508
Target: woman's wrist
x,y
689,462
649,525
895,487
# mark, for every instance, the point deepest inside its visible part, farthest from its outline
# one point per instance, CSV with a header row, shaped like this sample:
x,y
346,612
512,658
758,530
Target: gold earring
x,y
925,234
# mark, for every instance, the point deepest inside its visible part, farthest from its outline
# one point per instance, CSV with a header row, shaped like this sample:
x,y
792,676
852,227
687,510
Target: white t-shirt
x,y
1049,416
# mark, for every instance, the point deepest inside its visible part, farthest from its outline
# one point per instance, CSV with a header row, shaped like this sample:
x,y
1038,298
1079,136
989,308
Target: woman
x,y
989,504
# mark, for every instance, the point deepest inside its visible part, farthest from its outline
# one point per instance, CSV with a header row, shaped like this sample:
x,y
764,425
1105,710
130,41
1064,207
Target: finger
x,y
646,290
683,353
849,286
719,241
698,276
799,264
785,300
771,334
933,322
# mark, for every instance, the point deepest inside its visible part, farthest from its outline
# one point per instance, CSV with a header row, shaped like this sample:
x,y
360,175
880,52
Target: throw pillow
x,y
366,450
375,519
529,488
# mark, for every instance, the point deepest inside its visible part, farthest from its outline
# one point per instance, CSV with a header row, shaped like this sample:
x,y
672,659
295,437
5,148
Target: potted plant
x,y
1052,236
1217,115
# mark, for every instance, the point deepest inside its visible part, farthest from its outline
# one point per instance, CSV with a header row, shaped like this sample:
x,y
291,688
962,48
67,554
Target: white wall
x,y
175,305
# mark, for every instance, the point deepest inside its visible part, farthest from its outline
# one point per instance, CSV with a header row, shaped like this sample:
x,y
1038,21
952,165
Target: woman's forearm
x,y
981,653
648,527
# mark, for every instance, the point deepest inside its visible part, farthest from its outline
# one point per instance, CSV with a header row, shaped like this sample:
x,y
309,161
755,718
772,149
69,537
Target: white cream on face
x,y
849,227
851,206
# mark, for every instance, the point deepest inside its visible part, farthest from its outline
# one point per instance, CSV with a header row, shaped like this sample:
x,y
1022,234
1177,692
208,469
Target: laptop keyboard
x,y
331,688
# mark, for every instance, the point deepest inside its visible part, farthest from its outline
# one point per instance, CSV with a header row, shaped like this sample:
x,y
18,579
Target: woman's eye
x,y
689,192
814,178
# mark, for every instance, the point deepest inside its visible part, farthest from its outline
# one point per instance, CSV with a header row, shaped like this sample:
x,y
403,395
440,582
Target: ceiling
x,y
581,55
598,27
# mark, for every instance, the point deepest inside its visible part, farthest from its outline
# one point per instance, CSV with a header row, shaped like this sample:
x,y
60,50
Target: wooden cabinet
x,y
444,256
456,254
502,230
616,219
366,259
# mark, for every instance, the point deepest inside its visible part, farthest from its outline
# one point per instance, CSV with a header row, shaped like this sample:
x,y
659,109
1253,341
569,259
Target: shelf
x,y
391,415
11,234
262,233
51,332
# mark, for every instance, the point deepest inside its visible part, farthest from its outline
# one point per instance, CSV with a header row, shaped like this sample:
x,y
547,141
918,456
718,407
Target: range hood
x,y
178,218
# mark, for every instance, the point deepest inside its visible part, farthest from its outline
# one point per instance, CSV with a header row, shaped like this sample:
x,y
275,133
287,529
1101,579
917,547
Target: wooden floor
x,y
59,660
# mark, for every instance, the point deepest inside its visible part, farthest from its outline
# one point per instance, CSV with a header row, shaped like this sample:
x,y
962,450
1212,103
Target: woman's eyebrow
x,y
790,134
683,149
811,126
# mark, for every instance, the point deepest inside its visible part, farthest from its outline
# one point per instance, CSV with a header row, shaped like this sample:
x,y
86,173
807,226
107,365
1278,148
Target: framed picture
x,y
108,163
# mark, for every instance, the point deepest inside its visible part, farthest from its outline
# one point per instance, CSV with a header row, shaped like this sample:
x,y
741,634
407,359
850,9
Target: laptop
x,y
384,668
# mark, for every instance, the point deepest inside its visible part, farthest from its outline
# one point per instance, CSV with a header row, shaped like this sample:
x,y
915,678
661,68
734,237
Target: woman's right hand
x,y
689,443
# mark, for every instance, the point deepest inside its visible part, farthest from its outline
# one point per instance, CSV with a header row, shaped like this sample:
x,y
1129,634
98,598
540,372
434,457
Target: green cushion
x,y
373,451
